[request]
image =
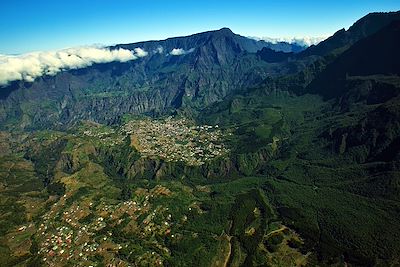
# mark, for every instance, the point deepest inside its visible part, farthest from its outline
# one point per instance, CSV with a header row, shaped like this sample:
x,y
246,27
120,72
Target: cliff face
x,y
125,162
208,66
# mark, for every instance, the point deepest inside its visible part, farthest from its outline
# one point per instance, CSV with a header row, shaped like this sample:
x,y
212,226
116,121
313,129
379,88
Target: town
x,y
177,139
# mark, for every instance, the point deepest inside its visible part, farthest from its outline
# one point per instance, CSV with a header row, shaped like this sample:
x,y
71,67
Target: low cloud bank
x,y
29,66
302,41
180,51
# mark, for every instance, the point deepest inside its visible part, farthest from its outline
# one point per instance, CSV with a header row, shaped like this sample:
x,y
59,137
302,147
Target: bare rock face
x,y
212,65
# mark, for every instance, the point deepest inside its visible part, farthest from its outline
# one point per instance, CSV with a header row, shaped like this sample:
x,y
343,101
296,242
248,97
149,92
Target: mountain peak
x,y
224,32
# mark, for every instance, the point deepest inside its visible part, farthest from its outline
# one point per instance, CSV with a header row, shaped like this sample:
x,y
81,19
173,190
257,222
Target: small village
x,y
177,139
91,231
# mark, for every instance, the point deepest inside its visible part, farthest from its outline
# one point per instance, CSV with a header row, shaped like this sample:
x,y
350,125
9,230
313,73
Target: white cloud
x,y
177,52
303,41
180,51
140,52
159,50
29,66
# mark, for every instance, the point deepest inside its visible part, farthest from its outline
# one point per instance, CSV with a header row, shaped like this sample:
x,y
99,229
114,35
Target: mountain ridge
x,y
207,67
362,28
250,45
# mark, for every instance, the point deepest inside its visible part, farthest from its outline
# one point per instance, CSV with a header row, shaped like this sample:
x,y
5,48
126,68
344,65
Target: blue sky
x,y
27,25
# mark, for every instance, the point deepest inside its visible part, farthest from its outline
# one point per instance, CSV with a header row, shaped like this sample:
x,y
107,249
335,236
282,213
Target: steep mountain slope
x,y
364,27
376,54
355,80
347,145
203,69
187,71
